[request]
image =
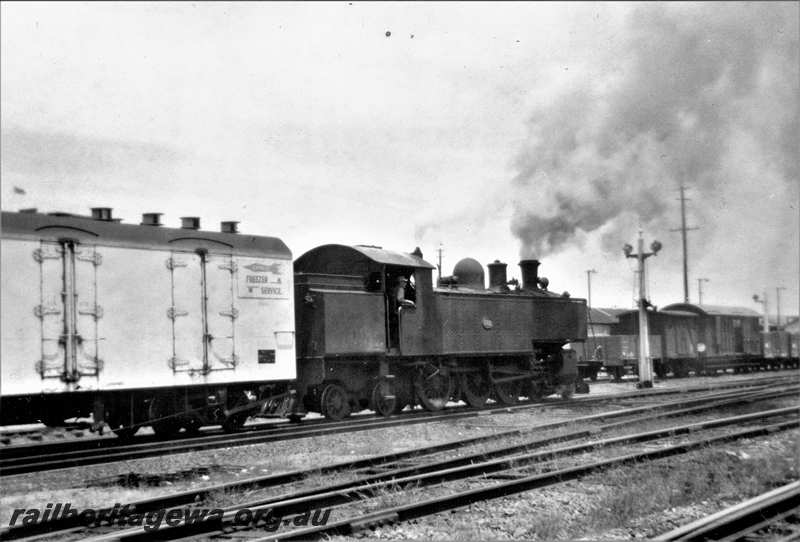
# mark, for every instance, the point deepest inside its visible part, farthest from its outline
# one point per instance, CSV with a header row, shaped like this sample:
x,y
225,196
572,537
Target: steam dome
x,y
470,273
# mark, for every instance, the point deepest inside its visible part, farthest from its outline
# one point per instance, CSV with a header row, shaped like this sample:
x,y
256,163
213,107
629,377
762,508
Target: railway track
x,y
37,434
409,467
56,455
512,468
519,482
773,516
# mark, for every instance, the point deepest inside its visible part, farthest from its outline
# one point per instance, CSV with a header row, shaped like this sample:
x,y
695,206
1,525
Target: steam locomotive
x,y
179,328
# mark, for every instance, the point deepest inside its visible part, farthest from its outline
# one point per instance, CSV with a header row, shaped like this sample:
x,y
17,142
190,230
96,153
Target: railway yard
x,y
400,271
618,463
398,407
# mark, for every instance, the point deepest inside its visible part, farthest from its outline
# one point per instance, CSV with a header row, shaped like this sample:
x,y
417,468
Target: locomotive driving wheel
x,y
334,402
383,401
475,388
403,388
535,391
192,425
508,392
433,387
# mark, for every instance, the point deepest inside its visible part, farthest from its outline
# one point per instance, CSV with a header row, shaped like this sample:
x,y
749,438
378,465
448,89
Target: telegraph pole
x,y
683,229
766,312
645,362
589,284
700,290
778,302
439,266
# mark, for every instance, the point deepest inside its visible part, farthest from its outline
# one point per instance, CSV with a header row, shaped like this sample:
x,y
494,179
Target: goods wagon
x,y
617,354
780,347
688,338
136,323
715,338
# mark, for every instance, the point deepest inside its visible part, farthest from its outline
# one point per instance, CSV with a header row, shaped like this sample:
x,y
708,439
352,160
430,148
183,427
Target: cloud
x,y
41,153
686,85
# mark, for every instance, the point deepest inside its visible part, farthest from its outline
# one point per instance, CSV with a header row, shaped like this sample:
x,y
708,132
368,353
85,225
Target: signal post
x,y
645,362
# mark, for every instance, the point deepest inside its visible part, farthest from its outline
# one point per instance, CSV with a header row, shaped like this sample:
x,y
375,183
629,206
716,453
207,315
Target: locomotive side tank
x,y
134,322
373,331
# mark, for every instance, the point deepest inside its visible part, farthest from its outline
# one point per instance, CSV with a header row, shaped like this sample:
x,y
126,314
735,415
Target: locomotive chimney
x,y
102,213
229,226
190,222
530,274
497,276
151,219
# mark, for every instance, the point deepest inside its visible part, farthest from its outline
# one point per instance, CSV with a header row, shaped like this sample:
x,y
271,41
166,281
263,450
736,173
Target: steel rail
x,y
449,502
29,450
26,450
23,450
78,458
747,517
654,412
51,456
422,475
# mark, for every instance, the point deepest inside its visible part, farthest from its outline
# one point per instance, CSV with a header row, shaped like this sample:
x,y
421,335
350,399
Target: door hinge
x,y
175,363
231,361
173,313
172,263
44,310
89,256
51,253
231,266
94,310
91,366
233,314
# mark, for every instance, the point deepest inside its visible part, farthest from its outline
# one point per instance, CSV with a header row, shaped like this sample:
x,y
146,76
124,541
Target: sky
x,y
489,130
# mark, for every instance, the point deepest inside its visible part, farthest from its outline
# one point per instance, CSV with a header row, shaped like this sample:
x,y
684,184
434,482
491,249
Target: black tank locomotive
x,y
373,331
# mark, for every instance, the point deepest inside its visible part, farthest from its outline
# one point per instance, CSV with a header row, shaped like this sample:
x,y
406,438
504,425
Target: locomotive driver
x,y
400,293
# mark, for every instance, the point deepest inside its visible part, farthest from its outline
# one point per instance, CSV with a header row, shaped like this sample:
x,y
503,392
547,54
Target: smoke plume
x,y
701,94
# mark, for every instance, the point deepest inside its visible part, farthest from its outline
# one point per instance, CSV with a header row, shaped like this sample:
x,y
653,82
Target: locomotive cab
x,y
358,308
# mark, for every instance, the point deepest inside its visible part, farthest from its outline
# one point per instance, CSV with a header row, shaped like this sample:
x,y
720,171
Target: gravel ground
x,y
224,465
579,510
